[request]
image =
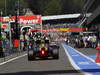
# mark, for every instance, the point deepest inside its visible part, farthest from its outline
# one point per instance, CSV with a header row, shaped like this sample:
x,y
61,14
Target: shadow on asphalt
x,y
91,70
43,72
44,59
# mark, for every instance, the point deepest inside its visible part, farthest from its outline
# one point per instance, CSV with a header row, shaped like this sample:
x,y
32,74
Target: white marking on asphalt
x,y
85,56
84,63
12,59
75,55
73,63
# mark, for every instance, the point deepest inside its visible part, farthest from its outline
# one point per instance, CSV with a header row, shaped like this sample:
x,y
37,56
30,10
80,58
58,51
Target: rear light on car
x,y
43,52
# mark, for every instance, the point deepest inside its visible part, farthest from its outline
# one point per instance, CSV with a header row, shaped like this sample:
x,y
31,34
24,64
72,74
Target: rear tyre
x,y
55,54
30,56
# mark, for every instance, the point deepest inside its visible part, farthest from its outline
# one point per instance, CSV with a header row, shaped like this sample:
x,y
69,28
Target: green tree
x,y
11,6
78,4
2,4
72,6
53,7
44,7
14,4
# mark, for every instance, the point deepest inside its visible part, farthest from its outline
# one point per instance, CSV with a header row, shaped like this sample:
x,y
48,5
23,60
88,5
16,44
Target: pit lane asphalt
x,y
86,51
22,66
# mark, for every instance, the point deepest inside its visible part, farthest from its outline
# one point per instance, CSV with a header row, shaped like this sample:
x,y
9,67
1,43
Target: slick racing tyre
x,y
55,54
30,56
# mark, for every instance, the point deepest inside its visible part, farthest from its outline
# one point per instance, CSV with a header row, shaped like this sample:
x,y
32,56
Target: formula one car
x,y
43,50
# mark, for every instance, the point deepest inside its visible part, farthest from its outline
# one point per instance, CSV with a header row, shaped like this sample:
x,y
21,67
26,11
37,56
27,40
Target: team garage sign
x,y
29,19
36,19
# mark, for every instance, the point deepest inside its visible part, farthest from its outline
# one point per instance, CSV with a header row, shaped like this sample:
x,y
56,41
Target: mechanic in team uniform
x,y
3,38
26,41
22,41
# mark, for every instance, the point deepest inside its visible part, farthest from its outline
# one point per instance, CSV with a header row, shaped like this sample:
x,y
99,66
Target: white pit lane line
x,y
85,56
12,59
73,63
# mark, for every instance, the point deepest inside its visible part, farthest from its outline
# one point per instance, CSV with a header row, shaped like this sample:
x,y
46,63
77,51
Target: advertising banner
x,y
36,19
1,19
4,26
